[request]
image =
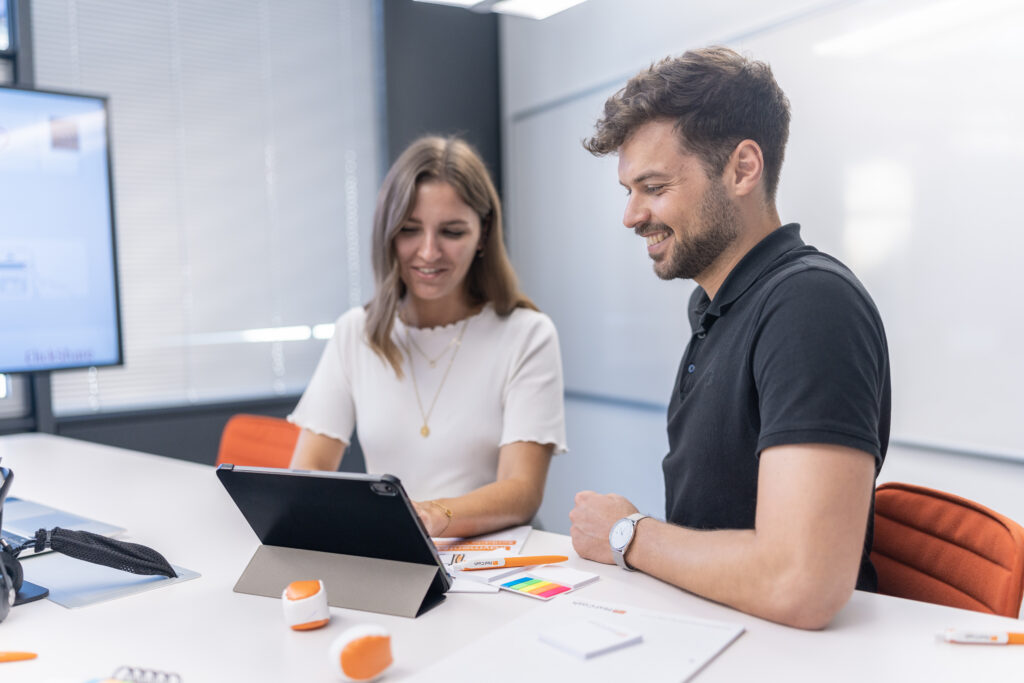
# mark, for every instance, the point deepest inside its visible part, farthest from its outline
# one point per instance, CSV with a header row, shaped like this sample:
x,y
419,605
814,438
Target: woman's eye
x,y
454,233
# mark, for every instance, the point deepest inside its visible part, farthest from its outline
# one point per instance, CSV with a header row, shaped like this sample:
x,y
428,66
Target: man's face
x,y
686,217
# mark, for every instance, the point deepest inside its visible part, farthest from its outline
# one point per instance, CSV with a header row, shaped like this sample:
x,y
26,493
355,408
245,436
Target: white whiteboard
x,y
904,161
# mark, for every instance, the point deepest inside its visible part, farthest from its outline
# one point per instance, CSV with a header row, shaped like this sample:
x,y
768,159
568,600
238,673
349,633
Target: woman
x,y
452,374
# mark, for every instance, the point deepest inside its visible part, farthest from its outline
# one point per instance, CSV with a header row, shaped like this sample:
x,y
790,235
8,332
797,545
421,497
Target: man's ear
x,y
745,170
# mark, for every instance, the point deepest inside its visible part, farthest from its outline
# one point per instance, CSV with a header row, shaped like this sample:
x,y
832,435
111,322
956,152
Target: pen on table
x,y
955,635
498,562
16,656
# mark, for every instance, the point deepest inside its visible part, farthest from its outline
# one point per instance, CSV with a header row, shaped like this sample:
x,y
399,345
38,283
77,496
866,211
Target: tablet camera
x,y
382,488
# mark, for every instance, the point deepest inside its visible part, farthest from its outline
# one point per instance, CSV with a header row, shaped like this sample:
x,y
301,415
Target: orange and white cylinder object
x,y
361,653
305,605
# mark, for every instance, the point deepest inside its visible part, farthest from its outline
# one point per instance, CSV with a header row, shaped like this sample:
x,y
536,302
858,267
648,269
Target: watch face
x,y
621,533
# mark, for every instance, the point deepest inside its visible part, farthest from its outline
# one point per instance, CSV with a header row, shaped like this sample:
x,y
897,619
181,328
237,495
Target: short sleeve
x,y
327,406
820,363
534,397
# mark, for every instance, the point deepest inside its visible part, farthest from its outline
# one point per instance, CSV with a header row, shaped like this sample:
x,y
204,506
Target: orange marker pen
x,y
498,562
954,635
16,656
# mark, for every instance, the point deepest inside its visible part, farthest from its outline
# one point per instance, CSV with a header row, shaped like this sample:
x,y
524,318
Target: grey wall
x,y
875,175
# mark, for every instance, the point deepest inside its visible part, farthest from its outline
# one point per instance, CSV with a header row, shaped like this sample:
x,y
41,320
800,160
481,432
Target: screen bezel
x,y
105,101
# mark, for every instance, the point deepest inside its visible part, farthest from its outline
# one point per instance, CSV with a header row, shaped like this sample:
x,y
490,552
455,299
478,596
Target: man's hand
x,y
592,520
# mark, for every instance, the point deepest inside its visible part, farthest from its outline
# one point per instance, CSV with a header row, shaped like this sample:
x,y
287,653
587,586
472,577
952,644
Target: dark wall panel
x,y
441,75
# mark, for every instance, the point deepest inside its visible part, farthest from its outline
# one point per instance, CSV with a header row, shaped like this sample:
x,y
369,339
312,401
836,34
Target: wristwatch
x,y
621,536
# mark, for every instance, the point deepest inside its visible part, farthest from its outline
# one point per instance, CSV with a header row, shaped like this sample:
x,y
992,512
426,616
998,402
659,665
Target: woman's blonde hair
x,y
490,277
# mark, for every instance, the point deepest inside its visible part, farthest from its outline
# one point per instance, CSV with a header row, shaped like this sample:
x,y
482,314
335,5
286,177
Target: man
x,y
779,419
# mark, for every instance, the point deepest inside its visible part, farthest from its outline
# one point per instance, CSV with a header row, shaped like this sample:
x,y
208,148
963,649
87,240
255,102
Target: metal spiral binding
x,y
134,674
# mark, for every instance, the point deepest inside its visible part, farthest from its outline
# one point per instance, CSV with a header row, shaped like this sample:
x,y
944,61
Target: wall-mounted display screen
x,y
58,271
5,26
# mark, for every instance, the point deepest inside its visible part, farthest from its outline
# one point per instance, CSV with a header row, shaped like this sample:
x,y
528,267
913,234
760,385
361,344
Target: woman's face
x,y
436,246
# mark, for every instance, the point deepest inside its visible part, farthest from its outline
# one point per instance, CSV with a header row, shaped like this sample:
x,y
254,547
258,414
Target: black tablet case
x,y
358,533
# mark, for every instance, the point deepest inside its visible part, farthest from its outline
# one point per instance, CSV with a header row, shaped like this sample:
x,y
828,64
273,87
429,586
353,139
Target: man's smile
x,y
656,237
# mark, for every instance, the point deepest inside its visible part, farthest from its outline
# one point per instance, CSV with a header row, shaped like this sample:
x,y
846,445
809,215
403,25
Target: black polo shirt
x,y
791,350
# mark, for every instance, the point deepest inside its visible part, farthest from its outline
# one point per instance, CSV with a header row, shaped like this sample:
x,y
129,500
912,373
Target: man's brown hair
x,y
717,99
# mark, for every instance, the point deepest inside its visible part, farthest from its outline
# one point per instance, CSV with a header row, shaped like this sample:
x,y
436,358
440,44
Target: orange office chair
x,y
258,441
936,547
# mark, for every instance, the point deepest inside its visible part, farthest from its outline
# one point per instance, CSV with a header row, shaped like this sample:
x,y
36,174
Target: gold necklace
x,y
433,361
425,429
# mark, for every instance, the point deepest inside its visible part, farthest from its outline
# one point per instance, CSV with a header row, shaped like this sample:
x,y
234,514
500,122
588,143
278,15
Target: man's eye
x,y
654,189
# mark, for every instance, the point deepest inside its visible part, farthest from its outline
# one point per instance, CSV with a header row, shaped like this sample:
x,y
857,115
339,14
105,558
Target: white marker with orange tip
x,y
305,605
498,562
955,635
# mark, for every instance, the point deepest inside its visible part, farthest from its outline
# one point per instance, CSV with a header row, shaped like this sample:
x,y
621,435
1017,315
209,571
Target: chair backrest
x,y
940,548
258,441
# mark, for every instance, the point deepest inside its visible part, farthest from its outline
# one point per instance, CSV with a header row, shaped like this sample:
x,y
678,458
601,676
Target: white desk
x,y
207,633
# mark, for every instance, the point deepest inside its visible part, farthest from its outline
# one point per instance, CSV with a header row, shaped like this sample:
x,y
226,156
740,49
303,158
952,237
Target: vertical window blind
x,y
245,146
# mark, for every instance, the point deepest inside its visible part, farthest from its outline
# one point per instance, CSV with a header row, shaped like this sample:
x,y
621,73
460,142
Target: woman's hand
x,y
432,516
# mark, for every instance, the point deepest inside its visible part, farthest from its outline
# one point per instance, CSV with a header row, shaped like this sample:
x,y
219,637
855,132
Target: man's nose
x,y
636,212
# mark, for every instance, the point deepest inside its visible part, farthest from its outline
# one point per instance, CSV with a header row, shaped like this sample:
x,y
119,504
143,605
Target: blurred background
x,y
248,139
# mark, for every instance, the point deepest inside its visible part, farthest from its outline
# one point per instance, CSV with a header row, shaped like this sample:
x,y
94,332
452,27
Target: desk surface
x,y
204,631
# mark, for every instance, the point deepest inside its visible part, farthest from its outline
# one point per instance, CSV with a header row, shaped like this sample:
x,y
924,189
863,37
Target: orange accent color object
x,y
305,605
297,590
940,548
1016,639
474,546
524,561
257,441
310,625
365,658
16,656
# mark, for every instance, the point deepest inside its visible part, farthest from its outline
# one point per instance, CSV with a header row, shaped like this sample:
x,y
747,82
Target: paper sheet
x,y
74,583
674,647
499,544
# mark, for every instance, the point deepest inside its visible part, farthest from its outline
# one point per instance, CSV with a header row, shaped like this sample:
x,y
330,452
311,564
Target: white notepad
x,y
586,638
674,647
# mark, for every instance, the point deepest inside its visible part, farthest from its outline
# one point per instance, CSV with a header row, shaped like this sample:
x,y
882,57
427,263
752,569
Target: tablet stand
x,y
403,589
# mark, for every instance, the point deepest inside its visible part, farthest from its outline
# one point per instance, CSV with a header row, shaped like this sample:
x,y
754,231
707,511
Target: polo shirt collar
x,y
750,268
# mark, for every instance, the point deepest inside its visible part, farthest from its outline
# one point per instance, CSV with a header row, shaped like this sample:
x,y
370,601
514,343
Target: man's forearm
x,y
737,568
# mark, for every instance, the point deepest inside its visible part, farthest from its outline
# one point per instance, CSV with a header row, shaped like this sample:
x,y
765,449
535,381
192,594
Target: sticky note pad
x,y
543,582
587,638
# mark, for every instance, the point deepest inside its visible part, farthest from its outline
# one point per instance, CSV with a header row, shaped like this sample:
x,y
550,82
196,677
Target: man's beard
x,y
717,227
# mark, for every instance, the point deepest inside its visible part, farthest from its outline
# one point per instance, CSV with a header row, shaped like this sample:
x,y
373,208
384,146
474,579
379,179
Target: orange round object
x,y
362,653
366,657
297,590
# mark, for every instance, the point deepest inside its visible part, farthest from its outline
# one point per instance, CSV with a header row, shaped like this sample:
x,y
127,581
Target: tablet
x,y
359,515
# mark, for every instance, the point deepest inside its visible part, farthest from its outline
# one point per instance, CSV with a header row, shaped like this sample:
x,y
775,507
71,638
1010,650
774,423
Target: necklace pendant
x,y
424,431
